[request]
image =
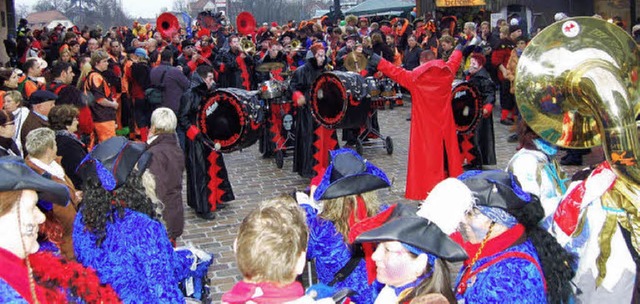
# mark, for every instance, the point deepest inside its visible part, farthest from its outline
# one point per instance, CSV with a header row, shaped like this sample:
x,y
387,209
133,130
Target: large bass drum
x,y
466,103
338,100
231,118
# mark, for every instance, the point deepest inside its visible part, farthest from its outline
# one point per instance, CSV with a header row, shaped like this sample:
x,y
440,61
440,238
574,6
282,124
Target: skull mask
x,y
287,122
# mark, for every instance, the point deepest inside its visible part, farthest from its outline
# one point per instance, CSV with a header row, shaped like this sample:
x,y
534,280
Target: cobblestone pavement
x,y
255,179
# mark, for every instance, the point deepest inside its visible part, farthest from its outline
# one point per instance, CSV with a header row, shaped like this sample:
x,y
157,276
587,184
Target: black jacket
x,y
482,80
411,58
72,152
231,72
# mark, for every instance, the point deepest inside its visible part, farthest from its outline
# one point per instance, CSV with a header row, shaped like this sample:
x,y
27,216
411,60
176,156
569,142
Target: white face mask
x,y
474,227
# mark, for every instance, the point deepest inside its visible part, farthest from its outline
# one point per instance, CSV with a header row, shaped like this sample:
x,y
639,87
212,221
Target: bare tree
x,y
48,5
22,10
180,6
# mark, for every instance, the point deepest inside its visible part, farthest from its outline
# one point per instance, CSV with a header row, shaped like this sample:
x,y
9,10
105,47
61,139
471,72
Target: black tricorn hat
x,y
16,175
496,188
349,174
418,232
113,160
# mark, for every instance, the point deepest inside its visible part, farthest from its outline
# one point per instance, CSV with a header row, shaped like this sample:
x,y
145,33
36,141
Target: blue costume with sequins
x,y
331,253
136,258
512,280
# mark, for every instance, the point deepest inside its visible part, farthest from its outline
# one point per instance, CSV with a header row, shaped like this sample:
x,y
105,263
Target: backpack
x,y
155,94
87,97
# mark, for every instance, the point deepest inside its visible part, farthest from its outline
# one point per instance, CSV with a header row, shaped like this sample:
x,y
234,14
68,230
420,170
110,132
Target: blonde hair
x,y
16,95
164,120
85,69
97,56
276,227
338,210
39,140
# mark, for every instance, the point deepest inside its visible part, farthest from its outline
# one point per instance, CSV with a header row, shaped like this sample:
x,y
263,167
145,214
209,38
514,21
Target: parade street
x,y
255,179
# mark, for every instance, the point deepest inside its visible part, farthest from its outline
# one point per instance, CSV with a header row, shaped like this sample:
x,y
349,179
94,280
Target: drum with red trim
x,y
339,100
231,118
466,103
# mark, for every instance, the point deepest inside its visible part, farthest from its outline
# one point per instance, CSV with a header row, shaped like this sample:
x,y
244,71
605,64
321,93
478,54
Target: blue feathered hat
x,y
348,174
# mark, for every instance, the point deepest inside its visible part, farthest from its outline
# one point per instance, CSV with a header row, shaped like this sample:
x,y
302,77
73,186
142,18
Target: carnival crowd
x,y
100,130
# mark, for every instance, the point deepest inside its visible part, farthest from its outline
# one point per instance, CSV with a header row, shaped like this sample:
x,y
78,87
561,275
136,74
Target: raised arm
x,y
397,74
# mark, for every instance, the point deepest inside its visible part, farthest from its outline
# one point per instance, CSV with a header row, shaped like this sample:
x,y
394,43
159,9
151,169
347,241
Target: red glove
x,y
296,96
364,73
222,68
487,110
192,132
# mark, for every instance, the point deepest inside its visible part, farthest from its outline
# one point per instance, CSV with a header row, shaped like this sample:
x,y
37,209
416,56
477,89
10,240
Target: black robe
x,y
207,179
313,141
483,150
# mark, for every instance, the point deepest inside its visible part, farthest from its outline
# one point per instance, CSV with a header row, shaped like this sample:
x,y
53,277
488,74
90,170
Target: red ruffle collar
x,y
493,246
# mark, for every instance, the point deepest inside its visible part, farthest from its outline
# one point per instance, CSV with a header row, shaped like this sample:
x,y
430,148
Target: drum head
x,y
221,120
466,104
329,99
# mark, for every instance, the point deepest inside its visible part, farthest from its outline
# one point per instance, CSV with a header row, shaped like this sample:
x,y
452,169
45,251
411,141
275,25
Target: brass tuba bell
x,y
577,87
247,46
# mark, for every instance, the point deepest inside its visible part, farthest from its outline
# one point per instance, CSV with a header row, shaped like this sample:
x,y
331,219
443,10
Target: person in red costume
x,y
433,146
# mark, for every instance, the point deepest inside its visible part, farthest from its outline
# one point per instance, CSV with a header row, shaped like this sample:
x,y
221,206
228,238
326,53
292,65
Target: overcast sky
x,y
134,8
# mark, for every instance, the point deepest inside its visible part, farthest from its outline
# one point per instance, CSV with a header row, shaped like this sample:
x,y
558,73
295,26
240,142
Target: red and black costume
x,y
235,71
313,141
207,180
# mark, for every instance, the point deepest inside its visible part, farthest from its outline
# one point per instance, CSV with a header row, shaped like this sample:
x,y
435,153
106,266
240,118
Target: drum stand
x,y
363,139
282,147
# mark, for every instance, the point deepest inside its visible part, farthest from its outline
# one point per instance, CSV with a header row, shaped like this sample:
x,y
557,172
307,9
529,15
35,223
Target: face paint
x,y
395,265
474,227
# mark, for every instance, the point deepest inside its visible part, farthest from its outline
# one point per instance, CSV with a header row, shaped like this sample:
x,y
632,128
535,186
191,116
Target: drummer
x,y
313,141
276,56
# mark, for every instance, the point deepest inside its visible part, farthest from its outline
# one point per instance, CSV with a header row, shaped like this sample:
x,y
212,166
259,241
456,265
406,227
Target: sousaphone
x,y
577,87
246,23
167,25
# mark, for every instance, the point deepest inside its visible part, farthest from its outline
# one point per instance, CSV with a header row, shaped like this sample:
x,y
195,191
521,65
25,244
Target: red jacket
x,y
433,130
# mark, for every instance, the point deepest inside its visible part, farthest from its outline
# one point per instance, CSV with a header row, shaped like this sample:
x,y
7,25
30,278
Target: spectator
x,y
174,83
410,256
104,106
512,259
7,131
33,68
13,103
41,103
118,230
26,275
8,81
69,94
411,58
346,192
277,226
42,149
63,120
167,165
138,78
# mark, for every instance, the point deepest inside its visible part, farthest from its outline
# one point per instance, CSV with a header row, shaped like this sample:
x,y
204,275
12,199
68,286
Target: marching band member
x,y
313,141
